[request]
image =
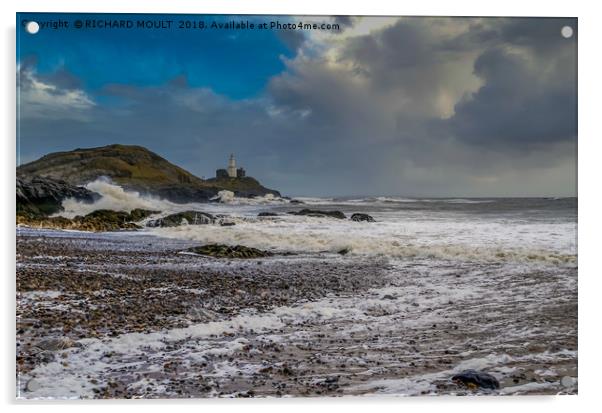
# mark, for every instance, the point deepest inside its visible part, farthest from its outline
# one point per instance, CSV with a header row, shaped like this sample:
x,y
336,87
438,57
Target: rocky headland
x,y
138,169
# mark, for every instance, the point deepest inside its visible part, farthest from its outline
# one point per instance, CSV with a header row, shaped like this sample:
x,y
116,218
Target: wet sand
x,y
131,316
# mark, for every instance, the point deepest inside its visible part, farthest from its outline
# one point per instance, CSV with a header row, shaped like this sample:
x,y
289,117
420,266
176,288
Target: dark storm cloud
x,y
518,106
344,21
540,35
421,107
527,70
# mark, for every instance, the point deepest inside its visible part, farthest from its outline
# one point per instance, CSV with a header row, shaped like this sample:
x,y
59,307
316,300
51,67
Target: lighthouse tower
x,y
232,167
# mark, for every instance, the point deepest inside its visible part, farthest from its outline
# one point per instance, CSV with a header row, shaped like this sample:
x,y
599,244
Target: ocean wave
x,y
228,197
313,238
467,201
113,197
394,199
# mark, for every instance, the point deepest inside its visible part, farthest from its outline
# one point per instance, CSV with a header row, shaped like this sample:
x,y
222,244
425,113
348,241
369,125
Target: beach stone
x,y
344,251
227,251
56,344
319,213
227,224
479,379
33,385
361,217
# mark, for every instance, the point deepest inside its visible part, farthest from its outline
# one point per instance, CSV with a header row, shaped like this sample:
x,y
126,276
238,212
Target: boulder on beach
x,y
227,251
267,214
183,218
320,213
476,379
358,217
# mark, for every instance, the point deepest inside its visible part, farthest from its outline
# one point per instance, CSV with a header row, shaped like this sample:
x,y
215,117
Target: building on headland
x,y
221,173
231,171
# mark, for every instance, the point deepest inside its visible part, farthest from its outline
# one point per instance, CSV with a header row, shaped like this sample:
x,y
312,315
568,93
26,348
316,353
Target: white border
x,y
590,200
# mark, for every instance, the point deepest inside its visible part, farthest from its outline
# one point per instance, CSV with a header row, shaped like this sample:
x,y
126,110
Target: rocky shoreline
x,y
145,290
135,316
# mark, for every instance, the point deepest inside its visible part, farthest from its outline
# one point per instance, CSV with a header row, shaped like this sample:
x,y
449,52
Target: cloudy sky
x,y
382,106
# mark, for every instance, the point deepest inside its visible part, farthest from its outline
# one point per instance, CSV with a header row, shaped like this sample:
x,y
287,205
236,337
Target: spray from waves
x,y
115,198
228,197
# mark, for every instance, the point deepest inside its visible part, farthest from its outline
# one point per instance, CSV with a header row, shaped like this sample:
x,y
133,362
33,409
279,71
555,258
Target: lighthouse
x,y
232,166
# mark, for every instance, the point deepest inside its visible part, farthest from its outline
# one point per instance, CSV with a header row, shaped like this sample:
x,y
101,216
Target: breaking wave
x,y
116,198
317,237
228,197
112,197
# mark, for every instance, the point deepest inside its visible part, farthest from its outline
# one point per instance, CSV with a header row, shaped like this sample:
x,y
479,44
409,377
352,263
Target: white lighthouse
x,y
232,166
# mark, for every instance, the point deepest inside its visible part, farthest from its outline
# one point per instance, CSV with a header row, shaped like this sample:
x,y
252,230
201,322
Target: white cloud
x,y
42,99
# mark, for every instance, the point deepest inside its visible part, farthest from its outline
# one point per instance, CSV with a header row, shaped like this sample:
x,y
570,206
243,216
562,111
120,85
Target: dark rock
x,y
227,224
106,220
344,251
362,217
296,201
183,218
319,213
476,379
267,214
227,251
39,197
139,214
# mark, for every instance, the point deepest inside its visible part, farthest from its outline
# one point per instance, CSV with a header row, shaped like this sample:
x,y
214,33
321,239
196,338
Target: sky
x,y
410,106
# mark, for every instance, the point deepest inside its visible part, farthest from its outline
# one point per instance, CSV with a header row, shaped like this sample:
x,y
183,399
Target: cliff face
x,y
136,168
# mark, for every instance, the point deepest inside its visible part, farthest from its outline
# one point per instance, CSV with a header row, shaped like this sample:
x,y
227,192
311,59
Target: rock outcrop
x,y
267,214
476,379
319,213
361,217
40,197
183,218
99,220
227,251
